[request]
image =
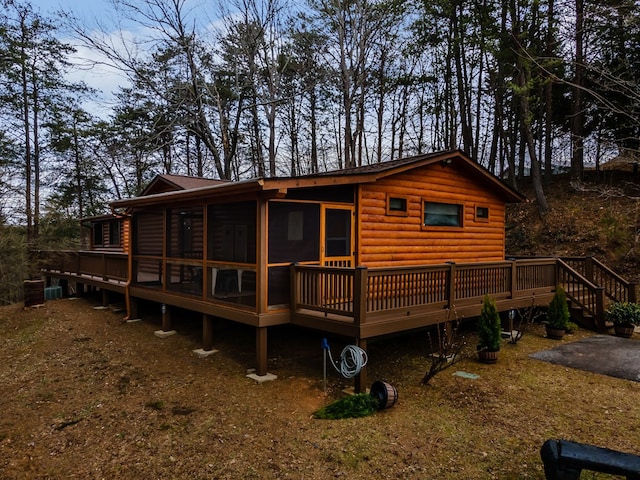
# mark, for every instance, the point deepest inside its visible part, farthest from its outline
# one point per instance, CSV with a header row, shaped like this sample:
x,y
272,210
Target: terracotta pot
x,y
487,356
624,330
555,333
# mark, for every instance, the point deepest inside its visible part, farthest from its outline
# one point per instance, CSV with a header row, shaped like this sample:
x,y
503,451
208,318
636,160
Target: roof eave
x,y
226,189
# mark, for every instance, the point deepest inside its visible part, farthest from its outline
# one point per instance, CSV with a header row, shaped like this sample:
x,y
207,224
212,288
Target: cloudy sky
x,y
100,77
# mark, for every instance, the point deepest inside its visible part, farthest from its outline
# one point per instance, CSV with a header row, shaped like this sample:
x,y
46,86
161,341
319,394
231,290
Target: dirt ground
x,y
85,395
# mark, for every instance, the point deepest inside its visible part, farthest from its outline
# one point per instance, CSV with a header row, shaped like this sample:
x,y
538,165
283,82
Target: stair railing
x,y
583,293
616,288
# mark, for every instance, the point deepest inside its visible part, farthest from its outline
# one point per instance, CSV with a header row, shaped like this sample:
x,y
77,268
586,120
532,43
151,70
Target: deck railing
x,y
382,290
585,294
103,265
615,287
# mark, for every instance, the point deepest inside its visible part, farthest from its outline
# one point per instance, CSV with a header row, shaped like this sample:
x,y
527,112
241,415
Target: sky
x,y
104,79
91,12
83,6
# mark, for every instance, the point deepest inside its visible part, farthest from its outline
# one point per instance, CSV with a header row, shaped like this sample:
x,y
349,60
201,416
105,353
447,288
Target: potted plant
x,y
489,331
625,316
557,315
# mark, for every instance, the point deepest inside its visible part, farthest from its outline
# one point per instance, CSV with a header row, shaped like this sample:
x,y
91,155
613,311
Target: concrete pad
x,y
269,377
116,308
604,354
134,320
470,376
164,334
202,353
100,307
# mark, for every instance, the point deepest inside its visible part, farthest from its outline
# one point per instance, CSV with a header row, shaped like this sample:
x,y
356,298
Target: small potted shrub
x,y
557,315
489,331
625,316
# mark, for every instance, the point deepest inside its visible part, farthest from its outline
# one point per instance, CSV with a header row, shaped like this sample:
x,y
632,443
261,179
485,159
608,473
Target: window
x,y
98,239
337,232
114,232
442,214
396,205
482,214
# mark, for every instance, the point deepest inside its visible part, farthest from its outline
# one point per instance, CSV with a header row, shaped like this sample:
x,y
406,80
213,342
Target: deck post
x,y
64,285
588,268
294,292
105,297
360,295
600,322
261,351
207,332
166,318
133,309
360,381
79,289
451,284
105,277
633,292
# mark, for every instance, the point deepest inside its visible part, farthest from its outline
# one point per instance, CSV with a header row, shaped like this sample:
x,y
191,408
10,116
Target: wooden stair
x,y
591,287
581,317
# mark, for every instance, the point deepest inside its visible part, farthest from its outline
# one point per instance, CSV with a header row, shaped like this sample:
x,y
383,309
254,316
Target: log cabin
x,y
359,252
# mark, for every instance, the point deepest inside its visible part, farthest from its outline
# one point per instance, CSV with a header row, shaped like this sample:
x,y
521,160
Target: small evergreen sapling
x,y
489,326
558,313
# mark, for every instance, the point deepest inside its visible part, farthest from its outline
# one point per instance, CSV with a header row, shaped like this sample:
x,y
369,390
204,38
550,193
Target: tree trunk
x,y
27,135
314,135
525,111
577,122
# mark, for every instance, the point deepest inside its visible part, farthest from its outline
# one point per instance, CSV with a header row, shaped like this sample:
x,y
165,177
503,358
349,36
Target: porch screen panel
x,y
148,272
185,232
232,232
279,286
148,233
294,232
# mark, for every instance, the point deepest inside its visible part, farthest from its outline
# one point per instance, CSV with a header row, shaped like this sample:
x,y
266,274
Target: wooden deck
x,y
365,303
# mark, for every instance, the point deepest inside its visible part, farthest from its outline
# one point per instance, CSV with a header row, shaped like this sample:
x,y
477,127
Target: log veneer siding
x,y
391,240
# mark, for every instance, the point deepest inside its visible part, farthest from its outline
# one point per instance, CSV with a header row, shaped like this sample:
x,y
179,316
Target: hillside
x,y
586,219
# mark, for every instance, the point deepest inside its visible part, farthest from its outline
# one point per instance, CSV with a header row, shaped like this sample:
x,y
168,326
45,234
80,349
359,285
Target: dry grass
x,y
84,395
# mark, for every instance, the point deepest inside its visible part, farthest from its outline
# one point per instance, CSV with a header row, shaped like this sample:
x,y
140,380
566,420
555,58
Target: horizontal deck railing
x,y
381,290
107,266
357,295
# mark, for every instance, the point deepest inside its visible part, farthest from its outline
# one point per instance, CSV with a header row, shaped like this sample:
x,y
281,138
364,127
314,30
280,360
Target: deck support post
x,y
207,332
261,351
360,382
79,289
132,314
166,318
64,285
166,323
105,297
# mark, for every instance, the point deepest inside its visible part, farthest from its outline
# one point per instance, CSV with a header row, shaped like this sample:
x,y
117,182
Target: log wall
x,y
397,240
